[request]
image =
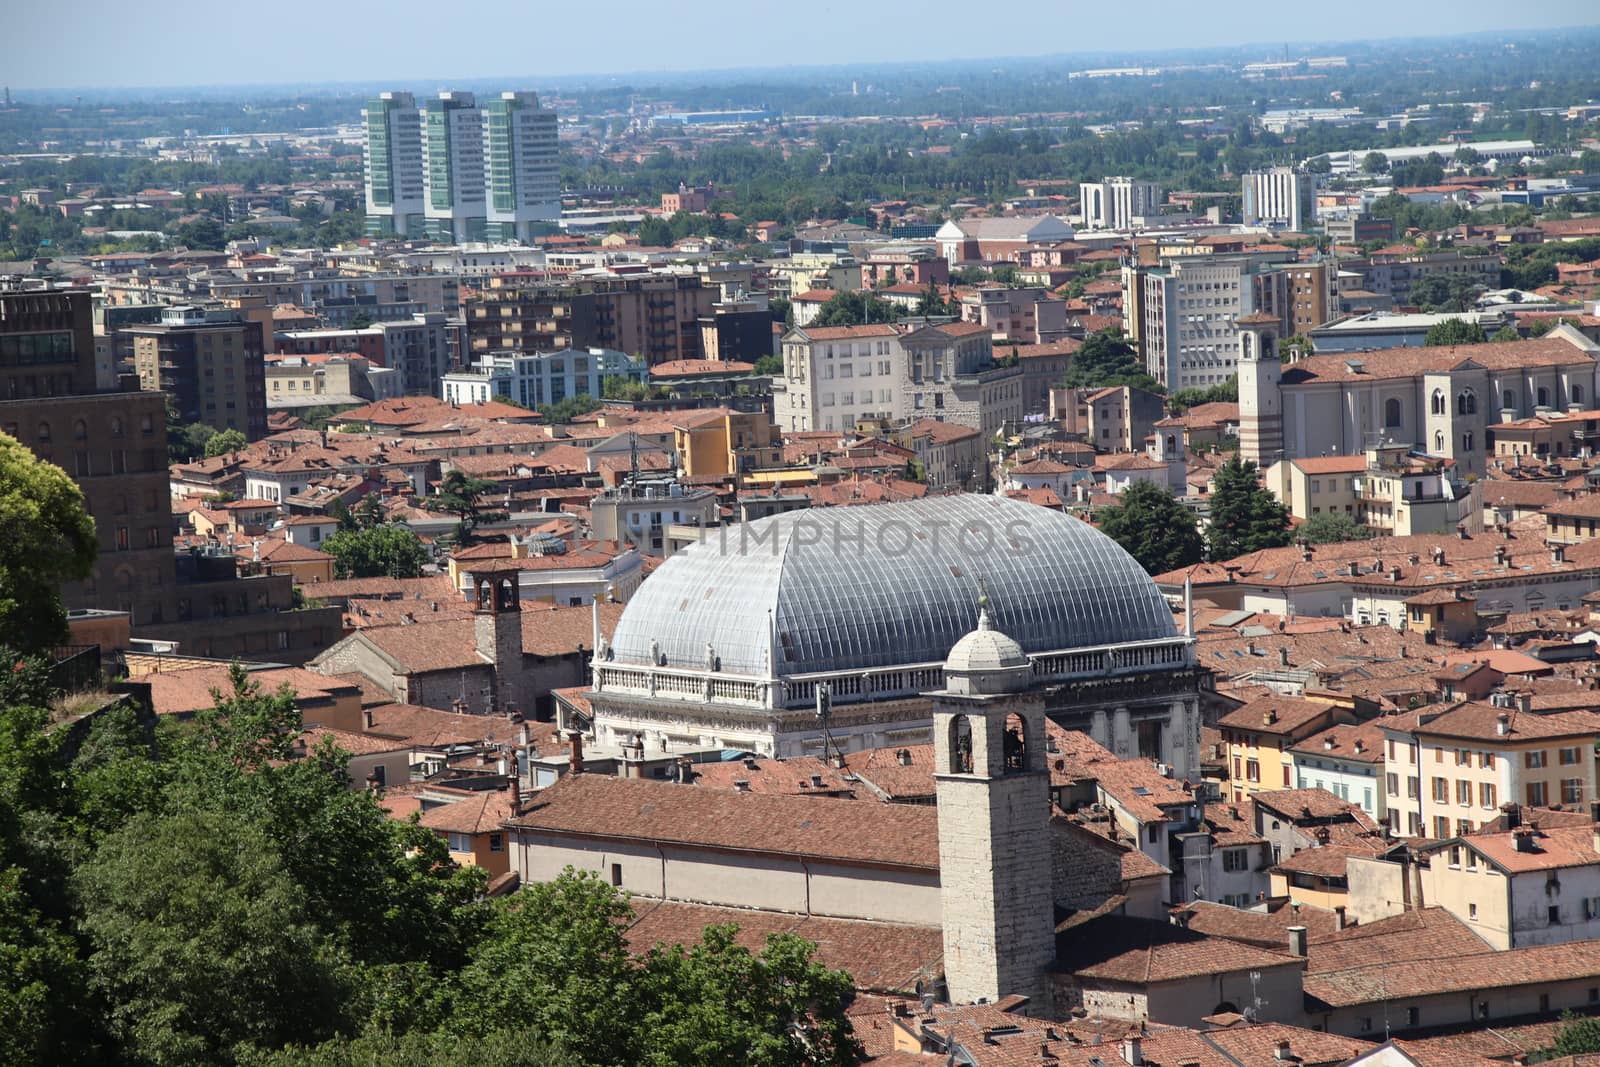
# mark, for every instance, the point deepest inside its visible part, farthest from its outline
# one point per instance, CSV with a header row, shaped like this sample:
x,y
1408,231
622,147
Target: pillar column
x,y
1097,728
1120,745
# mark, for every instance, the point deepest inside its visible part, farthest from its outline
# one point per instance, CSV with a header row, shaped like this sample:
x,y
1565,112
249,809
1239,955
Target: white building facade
x,y
1279,197
391,156
535,379
1114,203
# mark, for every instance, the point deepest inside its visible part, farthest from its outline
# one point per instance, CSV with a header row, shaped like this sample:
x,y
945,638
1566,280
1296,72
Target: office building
x,y
391,155
452,152
1113,204
455,171
1279,197
535,379
521,165
112,442
653,317
210,361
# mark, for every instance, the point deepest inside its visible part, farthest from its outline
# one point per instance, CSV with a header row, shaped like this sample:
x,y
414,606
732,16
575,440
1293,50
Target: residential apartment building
x,y
1393,273
639,511
716,442
1385,488
113,443
1260,738
654,317
534,379
1189,310
1347,760
1279,197
332,381
1117,418
1114,203
391,156
1447,773
210,362
838,375
1017,316
951,456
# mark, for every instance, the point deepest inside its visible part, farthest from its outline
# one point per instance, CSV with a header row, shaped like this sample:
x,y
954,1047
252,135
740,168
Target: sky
x,y
110,44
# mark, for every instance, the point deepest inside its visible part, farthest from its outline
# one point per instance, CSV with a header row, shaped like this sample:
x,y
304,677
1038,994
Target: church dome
x,y
985,649
852,588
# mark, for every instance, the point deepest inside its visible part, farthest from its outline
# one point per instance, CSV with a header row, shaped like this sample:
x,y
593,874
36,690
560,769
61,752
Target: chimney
x,y
1297,941
1327,744
741,785
514,787
366,718
1269,717
1283,1055
500,766
577,752
1283,656
1502,724
1438,555
1338,917
1525,702
1558,553
1522,838
373,785
837,759
1513,814
685,770
1500,555
903,757
1305,551
522,735
1359,746
1133,1050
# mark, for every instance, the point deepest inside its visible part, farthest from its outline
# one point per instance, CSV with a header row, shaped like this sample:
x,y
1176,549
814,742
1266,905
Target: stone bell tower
x,y
497,628
1260,382
994,811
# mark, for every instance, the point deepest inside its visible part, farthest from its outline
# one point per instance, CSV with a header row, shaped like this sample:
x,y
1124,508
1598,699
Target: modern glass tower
x,y
392,153
452,146
520,160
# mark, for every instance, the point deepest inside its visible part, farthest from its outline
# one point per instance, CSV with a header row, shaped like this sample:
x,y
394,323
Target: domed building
x,y
737,641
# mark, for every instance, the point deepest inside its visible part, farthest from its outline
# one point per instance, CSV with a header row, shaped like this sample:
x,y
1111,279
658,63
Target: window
x,y
1463,792
1437,404
1253,768
1533,759
1413,787
1441,828
1413,1016
122,538
1486,795
497,842
1366,1024
616,874
1235,859
1391,413
1538,794
1455,855
1463,758
1572,790
1466,402
1286,782
1568,756
1472,912
1486,760
1441,790
1394,784
1544,1001
1508,400
460,842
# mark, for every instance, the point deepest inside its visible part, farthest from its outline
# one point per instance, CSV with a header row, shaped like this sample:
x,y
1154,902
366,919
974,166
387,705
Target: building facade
x,y
1279,197
1114,203
391,156
210,362
534,379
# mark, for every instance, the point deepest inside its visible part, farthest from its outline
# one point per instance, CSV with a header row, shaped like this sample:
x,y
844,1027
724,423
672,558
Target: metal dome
x,y
838,589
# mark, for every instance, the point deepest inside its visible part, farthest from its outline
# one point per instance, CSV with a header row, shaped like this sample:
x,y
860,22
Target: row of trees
x,y
1163,535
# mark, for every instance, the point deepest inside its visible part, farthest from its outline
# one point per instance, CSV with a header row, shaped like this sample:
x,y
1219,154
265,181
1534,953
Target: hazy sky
x,y
98,43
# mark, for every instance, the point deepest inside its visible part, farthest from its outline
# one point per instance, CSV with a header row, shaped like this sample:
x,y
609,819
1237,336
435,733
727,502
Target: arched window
x,y
1466,402
1508,400
1438,402
116,426
1544,397
960,745
1438,442
1466,441
1015,743
146,424
80,430
44,432
1391,413
1172,444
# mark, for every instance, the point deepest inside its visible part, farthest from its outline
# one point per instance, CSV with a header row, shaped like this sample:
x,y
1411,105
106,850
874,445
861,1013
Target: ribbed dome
x,y
838,589
985,649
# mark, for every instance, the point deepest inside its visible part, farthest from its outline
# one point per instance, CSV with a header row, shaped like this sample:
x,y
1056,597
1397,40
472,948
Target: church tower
x,y
994,812
1260,395
497,628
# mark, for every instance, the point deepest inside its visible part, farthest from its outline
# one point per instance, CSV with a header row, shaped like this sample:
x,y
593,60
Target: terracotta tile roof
x,y
187,691
1425,934
1549,849
1296,804
1331,464
848,333
1266,929
1413,362
1326,861
480,811
675,368
900,835
1480,722
354,743
797,776
1376,982
1341,741
1277,715
880,772
941,432
1501,1043
883,957
1054,348
1041,466
1144,951
421,727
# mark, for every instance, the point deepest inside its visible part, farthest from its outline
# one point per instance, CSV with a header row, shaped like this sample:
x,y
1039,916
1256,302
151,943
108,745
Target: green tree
x,y
1454,332
1107,359
46,538
223,442
1244,516
203,232
1298,340
1331,527
769,365
851,308
461,495
1505,333
1578,1035
1154,528
360,320
497,1048
570,408
201,942
1375,163
376,552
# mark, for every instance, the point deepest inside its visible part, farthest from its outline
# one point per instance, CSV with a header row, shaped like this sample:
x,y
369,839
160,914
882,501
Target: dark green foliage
x,y
1244,516
223,442
1154,528
1330,527
570,408
1223,392
462,496
855,308
1578,1035
1107,359
1454,332
376,552
46,538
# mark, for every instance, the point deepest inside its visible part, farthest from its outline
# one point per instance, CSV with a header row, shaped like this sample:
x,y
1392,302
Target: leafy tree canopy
x,y
46,538
376,552
855,308
1578,1035
1330,527
1107,359
223,442
1454,332
1244,516
1154,528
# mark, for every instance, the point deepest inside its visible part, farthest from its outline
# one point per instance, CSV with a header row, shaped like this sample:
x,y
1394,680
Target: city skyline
x,y
112,53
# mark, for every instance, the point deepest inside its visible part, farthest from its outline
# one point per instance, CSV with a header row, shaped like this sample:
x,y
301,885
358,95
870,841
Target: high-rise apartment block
x,y
113,443
1114,203
210,361
455,171
1279,197
653,317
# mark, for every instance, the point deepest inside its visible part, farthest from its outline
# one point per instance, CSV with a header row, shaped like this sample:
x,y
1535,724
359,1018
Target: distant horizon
x,y
107,54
